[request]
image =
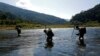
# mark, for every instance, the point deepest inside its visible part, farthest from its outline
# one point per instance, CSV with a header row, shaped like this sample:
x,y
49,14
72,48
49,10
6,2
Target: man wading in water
x,y
82,31
49,34
18,29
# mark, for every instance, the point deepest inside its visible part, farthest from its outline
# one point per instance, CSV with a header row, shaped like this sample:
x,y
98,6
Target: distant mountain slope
x,y
31,15
92,14
7,18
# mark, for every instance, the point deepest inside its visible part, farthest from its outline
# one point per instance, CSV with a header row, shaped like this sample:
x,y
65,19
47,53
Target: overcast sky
x,y
60,8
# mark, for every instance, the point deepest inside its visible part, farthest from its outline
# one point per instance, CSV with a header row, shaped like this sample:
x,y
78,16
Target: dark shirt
x,y
18,28
82,30
49,33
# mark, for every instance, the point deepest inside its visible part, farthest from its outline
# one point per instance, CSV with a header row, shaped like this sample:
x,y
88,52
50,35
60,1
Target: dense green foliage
x,y
87,17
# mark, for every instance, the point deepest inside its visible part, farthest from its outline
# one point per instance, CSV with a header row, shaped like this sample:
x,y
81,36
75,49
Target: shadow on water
x,y
80,51
49,45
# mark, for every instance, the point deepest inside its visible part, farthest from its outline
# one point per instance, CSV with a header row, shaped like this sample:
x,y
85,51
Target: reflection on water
x,y
33,43
49,44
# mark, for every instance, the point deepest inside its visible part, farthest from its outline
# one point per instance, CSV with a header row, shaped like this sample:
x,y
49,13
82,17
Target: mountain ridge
x,y
90,15
31,15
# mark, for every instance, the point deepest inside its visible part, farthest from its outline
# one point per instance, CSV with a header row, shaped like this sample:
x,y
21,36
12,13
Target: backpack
x,y
83,30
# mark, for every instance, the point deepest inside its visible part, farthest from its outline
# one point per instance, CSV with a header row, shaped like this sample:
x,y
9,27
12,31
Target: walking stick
x,y
72,34
45,29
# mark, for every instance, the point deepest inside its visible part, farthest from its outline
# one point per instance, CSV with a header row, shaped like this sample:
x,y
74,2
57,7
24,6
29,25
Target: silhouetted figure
x,y
18,28
49,44
82,31
49,34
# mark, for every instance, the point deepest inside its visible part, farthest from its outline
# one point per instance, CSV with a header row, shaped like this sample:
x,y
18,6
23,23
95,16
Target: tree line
x,y
91,15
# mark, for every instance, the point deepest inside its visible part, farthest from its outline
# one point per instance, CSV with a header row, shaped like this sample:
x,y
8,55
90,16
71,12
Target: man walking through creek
x,y
82,31
49,34
18,29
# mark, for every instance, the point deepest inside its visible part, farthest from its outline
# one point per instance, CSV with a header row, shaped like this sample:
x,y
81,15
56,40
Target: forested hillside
x,y
90,16
31,15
